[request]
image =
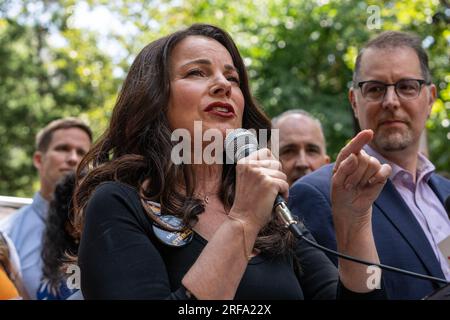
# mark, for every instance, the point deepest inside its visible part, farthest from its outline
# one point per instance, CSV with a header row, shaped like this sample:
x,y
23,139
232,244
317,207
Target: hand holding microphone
x,y
260,170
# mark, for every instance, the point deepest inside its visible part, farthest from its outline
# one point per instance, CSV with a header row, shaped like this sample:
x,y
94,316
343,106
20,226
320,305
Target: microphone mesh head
x,y
239,143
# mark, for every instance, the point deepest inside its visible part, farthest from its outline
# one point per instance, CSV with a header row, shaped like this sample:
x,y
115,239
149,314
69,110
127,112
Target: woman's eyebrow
x,y
208,62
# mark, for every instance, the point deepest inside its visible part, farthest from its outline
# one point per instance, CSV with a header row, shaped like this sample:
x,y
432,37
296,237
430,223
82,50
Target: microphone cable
x,y
299,234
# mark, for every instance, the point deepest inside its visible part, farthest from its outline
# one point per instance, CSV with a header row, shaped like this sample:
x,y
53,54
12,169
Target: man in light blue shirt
x,y
60,147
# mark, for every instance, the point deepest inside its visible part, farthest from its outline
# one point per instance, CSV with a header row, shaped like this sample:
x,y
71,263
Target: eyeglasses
x,y
405,89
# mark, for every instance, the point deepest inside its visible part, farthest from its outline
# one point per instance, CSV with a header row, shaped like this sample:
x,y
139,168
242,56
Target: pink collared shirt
x,y
422,201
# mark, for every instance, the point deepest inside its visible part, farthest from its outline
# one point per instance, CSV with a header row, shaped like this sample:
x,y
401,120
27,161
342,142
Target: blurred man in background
x,y
302,143
60,147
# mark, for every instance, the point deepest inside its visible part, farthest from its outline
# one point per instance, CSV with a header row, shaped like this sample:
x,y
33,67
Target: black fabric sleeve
x,y
376,294
318,276
117,257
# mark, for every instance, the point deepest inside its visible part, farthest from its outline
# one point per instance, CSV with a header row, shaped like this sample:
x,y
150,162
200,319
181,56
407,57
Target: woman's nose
x,y
221,86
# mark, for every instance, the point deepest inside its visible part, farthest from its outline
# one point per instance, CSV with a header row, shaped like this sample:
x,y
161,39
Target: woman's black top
x,y
121,258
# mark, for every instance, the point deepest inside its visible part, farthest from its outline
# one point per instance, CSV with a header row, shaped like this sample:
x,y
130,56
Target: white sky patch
x,y
101,20
55,40
106,24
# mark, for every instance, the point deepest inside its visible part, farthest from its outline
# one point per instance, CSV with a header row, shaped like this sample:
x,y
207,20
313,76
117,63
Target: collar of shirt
x,y
423,171
40,205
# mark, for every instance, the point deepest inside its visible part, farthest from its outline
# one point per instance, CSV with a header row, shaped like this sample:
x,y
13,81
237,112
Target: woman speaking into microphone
x,y
155,229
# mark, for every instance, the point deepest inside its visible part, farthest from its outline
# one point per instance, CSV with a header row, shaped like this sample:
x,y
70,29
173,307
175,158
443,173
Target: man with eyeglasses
x,y
392,94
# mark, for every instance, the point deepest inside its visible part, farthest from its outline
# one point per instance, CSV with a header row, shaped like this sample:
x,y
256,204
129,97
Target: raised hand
x,y
357,179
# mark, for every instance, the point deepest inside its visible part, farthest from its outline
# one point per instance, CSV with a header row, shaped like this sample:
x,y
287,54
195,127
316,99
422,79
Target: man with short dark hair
x,y
301,143
392,95
60,147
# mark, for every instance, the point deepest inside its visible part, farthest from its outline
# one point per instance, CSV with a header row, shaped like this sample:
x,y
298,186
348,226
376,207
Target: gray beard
x,y
393,141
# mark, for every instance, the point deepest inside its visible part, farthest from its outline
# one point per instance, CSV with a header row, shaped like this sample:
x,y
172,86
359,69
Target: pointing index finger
x,y
354,146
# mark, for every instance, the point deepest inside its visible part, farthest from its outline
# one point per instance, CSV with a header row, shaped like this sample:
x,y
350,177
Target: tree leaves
x,y
300,54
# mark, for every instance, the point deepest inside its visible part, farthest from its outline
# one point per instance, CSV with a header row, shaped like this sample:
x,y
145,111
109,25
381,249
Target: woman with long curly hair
x,y
58,243
152,228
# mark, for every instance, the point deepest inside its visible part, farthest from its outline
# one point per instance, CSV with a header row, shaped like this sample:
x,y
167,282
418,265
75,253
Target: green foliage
x,y
313,58
39,83
300,54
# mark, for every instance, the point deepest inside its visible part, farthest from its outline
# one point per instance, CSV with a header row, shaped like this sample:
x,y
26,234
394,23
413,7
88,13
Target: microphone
x,y
238,144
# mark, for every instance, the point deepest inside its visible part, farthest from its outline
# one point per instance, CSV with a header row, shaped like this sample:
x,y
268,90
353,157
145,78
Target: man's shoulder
x,y
313,186
309,197
109,189
319,177
112,194
13,221
441,178
441,184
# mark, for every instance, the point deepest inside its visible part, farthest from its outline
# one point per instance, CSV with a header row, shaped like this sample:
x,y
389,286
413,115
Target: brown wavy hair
x,y
58,243
136,147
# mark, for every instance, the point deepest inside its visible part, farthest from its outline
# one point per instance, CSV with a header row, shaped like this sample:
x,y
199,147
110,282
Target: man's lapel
x,y
440,186
397,212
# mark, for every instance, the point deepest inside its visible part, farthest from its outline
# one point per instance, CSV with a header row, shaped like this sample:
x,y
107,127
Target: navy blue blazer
x,y
399,239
